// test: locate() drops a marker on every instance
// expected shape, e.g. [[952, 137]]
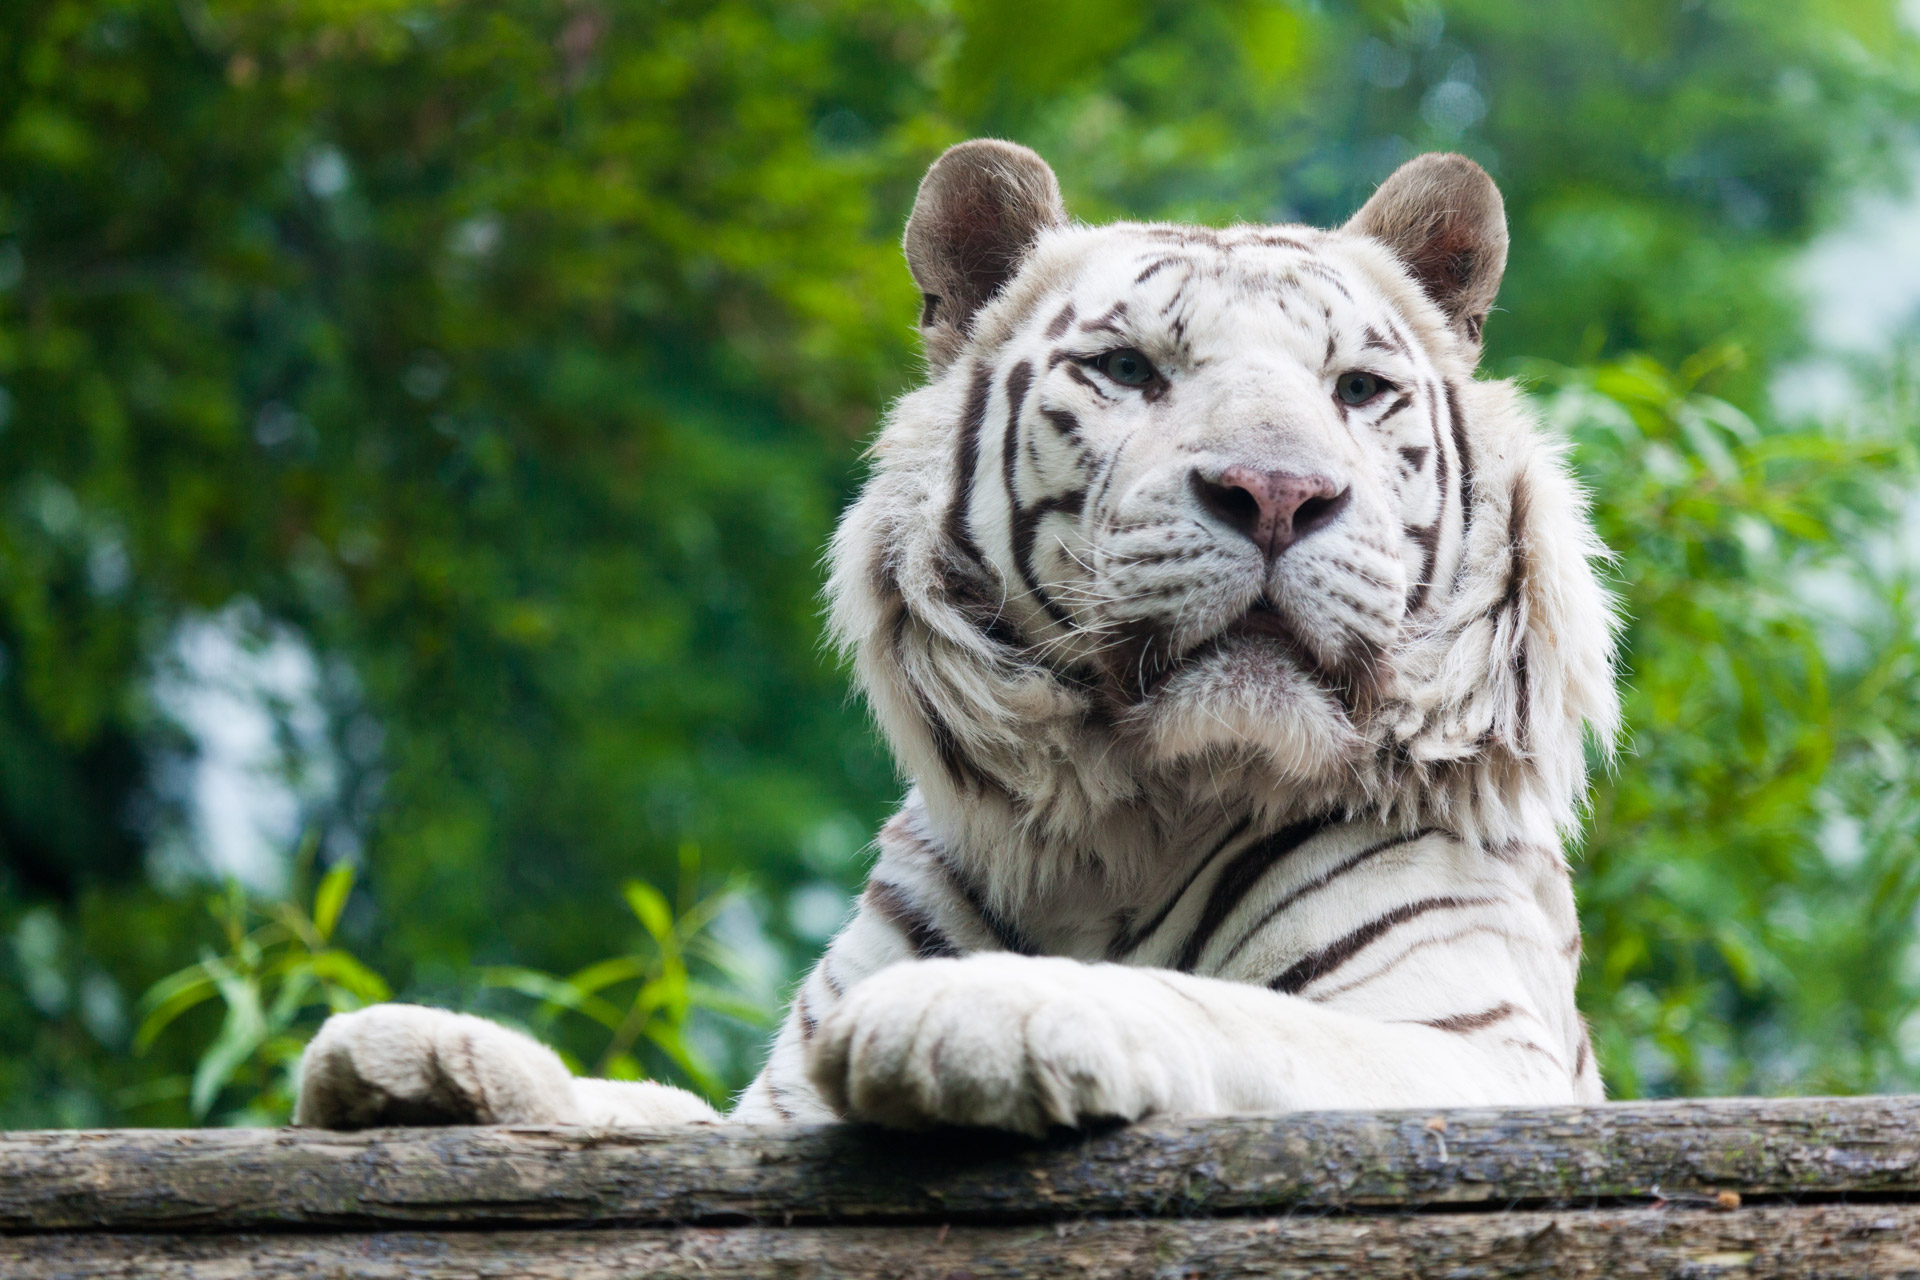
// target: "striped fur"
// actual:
[[1195, 826]]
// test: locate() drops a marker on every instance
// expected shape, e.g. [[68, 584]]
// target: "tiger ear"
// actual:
[[1444, 220], [980, 208]]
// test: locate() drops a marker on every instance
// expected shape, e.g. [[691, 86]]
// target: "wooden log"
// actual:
[[1826, 1241], [236, 1180]]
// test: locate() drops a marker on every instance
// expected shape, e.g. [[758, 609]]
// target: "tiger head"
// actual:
[[1187, 517]]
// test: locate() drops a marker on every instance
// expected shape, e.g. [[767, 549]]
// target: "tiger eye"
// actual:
[[1357, 388], [1126, 366]]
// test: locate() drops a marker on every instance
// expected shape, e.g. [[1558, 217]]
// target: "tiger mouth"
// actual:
[[1351, 682], [1262, 619]]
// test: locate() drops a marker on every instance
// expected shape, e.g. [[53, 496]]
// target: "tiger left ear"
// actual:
[[979, 210], [1444, 220]]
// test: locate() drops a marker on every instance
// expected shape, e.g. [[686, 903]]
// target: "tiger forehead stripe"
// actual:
[[1106, 322], [1153, 269]]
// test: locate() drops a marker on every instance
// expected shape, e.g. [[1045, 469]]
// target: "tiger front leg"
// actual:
[[400, 1064], [1027, 1043], [1009, 1042]]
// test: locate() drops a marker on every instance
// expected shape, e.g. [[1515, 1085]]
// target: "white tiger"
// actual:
[[1240, 646]]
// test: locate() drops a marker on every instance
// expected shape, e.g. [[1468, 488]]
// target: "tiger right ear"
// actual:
[[1442, 216], [980, 209]]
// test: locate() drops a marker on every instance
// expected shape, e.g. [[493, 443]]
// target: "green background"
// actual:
[[507, 363]]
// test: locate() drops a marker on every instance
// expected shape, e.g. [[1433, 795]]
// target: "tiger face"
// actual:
[[1226, 481], [1184, 511]]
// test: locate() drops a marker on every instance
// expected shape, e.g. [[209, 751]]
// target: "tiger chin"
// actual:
[[1243, 650]]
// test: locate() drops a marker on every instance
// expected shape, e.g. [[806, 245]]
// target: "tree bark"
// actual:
[[1733, 1187], [234, 1180], [1830, 1241]]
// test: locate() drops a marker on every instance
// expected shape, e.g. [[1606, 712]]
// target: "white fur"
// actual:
[[403, 1063]]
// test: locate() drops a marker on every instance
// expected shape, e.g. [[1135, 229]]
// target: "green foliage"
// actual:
[[648, 996], [513, 359], [275, 981], [1750, 888]]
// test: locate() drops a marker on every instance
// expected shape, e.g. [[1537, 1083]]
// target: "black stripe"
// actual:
[[1025, 521], [1019, 379], [959, 766], [1149, 273], [1079, 375], [1377, 341], [1238, 878], [1003, 931], [1542, 1050], [1187, 235], [946, 744], [1315, 268], [1466, 465], [1061, 321], [1431, 544], [1180, 292], [1517, 516], [1130, 937], [1318, 883], [1585, 1051], [1026, 525], [1463, 1023], [921, 933], [1428, 540], [967, 458], [1329, 958], [1063, 421], [780, 1108], [1105, 323], [808, 1023]]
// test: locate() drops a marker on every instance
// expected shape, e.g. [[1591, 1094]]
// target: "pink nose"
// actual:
[[1273, 508]]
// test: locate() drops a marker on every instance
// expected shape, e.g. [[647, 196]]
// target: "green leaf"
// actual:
[[331, 898], [702, 996], [651, 906], [170, 997], [552, 990], [342, 970], [243, 1031], [606, 973]]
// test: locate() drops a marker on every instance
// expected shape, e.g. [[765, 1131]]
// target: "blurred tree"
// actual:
[[501, 366]]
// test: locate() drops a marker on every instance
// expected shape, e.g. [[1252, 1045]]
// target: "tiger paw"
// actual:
[[400, 1064], [1000, 1041]]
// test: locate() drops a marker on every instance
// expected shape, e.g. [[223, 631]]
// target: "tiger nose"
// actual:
[[1275, 509]]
